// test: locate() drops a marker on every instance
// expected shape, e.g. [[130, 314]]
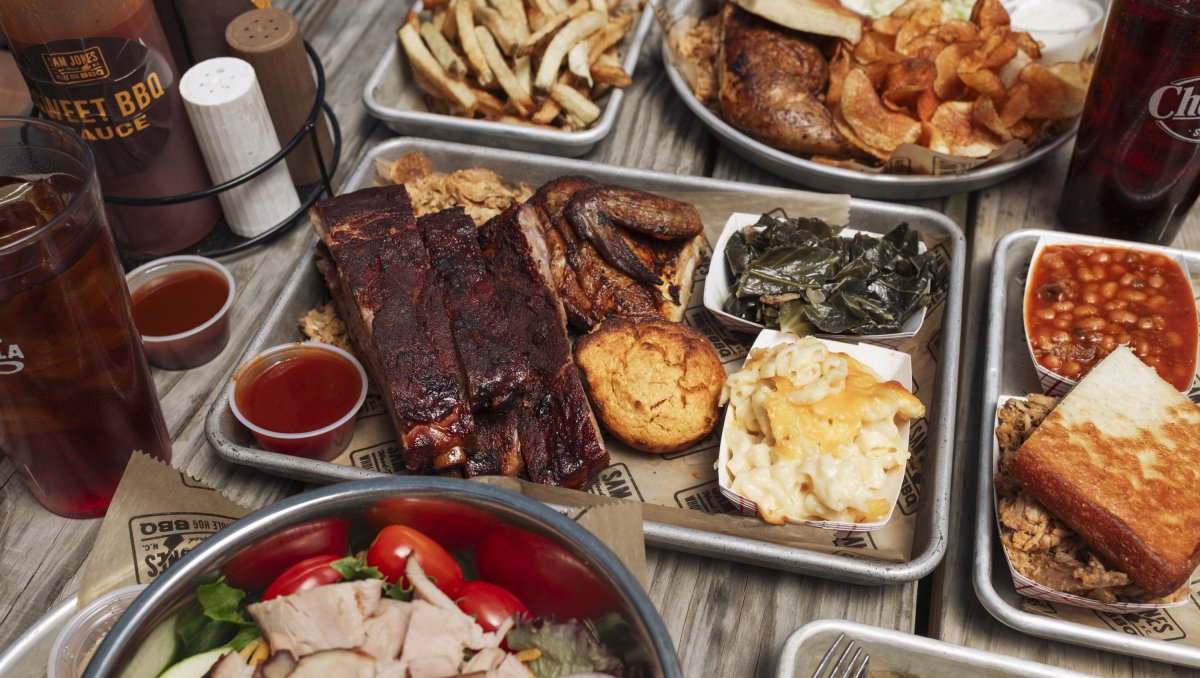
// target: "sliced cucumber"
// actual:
[[196, 665]]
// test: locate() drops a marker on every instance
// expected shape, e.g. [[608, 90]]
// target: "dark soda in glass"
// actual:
[[1135, 172], [76, 396]]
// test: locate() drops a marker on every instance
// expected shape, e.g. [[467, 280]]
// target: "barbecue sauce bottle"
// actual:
[[104, 69]]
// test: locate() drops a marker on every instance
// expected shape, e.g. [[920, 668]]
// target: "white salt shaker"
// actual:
[[232, 124]]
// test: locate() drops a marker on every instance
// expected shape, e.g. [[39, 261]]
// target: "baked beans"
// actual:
[[1084, 301]]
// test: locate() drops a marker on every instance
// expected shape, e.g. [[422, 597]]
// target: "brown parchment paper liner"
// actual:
[[159, 514], [1173, 624], [905, 159], [681, 488]]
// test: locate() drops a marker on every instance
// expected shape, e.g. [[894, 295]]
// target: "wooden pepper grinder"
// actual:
[[270, 40]]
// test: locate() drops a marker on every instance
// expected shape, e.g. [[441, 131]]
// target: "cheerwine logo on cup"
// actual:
[[1176, 109], [12, 360]]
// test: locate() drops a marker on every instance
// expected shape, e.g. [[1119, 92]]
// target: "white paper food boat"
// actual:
[[717, 284], [1030, 588], [890, 365], [1052, 383]]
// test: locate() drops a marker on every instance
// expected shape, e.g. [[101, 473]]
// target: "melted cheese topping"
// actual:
[[814, 433]]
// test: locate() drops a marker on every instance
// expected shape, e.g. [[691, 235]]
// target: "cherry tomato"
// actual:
[[257, 566], [489, 603], [454, 525], [306, 574], [546, 576], [393, 546]]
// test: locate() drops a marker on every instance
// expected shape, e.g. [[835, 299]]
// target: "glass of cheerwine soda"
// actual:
[[76, 396]]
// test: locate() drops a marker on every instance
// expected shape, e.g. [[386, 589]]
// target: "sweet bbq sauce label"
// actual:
[[113, 91]]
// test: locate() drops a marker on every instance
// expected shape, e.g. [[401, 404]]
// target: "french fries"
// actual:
[[576, 29], [436, 78], [517, 95], [532, 62], [575, 103]]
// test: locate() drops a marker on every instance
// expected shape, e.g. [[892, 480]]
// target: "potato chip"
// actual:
[[957, 133], [851, 136], [985, 82], [912, 8], [957, 30], [906, 80], [1017, 105], [875, 125], [839, 66], [994, 53], [927, 105], [989, 14], [1050, 96], [925, 47], [946, 84], [873, 48], [888, 25], [985, 114]]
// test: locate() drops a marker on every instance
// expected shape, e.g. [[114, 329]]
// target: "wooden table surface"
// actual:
[[726, 619]]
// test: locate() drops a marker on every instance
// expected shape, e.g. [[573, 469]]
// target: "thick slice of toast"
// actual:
[[1119, 461]]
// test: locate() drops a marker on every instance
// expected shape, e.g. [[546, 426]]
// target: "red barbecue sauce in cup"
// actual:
[[300, 399]]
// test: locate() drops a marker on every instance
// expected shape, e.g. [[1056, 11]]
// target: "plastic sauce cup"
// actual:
[[1064, 27], [323, 443], [73, 648], [199, 344]]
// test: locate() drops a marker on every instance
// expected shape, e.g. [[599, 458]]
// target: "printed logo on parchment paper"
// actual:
[[372, 407], [617, 482], [705, 497], [384, 457], [854, 540], [730, 346], [1156, 624], [1196, 592], [160, 539], [914, 475]]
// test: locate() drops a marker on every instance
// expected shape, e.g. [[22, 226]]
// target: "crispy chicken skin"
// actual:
[[769, 80]]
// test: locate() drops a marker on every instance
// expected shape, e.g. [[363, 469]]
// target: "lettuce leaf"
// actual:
[[216, 619], [566, 648]]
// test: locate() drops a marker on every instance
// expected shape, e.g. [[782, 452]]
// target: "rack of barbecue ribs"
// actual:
[[464, 330]]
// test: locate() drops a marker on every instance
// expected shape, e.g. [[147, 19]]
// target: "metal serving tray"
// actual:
[[904, 654], [29, 655], [1009, 371], [305, 289], [392, 96], [839, 179]]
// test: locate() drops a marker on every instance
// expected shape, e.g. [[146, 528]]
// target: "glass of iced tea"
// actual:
[[1135, 172], [76, 397]]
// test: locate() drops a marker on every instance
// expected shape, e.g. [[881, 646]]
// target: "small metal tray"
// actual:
[[28, 656], [1009, 371], [392, 96], [903, 654], [305, 290], [823, 177]]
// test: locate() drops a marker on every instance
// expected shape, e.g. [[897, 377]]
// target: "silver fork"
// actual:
[[844, 659]]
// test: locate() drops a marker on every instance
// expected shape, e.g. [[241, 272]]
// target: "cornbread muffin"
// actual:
[[655, 384]]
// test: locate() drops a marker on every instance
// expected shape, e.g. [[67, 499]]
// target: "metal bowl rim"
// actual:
[[317, 503]]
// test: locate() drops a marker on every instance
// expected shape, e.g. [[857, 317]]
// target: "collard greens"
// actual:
[[799, 275]]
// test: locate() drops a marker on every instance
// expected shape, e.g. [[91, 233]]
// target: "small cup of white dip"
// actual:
[[1064, 27]]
